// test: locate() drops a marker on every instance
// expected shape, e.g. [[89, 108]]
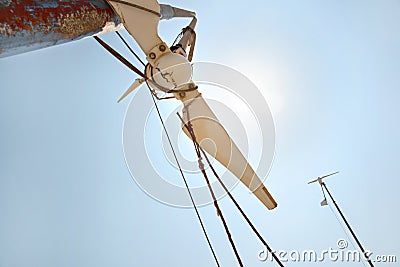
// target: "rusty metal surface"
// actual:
[[32, 24]]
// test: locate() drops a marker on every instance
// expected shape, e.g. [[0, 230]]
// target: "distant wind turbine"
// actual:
[[324, 203]]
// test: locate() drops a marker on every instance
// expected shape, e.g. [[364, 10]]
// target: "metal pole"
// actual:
[[347, 224], [29, 25]]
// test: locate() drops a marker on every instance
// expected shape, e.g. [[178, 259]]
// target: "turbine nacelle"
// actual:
[[172, 72]]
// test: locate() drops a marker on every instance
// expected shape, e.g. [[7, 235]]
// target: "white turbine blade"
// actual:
[[140, 18], [329, 175], [322, 177], [206, 126], [313, 181], [135, 85]]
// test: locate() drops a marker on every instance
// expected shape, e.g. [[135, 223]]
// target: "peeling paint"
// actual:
[[109, 27], [28, 24], [81, 22], [5, 3]]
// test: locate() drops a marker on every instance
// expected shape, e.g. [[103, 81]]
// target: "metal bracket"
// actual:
[[157, 52]]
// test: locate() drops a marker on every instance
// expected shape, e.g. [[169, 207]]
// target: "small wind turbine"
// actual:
[[324, 203], [319, 180]]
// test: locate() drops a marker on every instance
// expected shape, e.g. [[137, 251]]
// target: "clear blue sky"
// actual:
[[330, 73]]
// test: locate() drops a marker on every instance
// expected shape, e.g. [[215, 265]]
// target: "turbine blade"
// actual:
[[207, 128], [329, 175], [140, 19], [134, 85], [322, 177], [313, 181]]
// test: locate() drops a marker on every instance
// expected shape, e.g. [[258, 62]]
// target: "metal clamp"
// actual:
[[156, 52]]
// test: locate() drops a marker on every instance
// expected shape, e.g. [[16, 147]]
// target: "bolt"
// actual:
[[152, 55], [182, 94], [162, 48]]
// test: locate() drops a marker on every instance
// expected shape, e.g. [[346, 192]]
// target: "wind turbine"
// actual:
[[169, 70], [319, 180], [324, 203]]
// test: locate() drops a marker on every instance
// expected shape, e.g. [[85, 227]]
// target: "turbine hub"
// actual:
[[171, 72]]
